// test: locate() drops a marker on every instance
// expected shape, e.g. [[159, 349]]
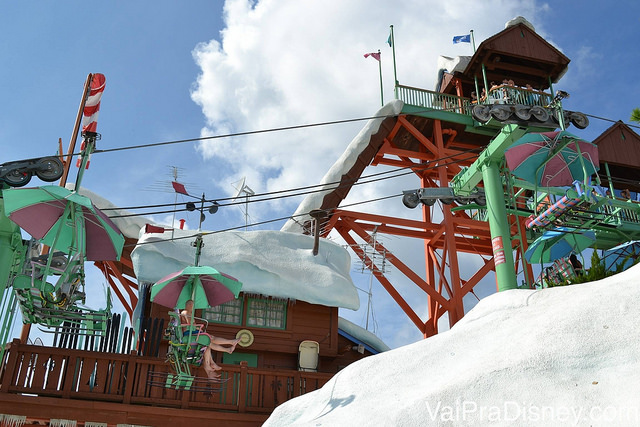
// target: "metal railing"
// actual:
[[434, 100]]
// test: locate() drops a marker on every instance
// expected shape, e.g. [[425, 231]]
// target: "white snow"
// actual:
[[362, 335], [128, 225], [553, 357], [273, 263], [344, 163]]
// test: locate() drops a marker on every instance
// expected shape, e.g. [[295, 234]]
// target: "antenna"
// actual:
[[377, 260], [175, 203], [241, 188]]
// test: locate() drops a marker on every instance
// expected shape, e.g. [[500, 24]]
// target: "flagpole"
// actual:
[[380, 70], [473, 41], [395, 74], [484, 71], [475, 77]]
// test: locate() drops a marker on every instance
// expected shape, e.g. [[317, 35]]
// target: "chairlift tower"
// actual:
[[437, 137]]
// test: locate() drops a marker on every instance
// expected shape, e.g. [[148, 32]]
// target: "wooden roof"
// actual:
[[619, 147], [520, 54]]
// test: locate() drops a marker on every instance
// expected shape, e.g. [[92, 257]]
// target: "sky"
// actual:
[[560, 357], [182, 71]]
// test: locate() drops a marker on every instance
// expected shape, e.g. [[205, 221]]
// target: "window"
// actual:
[[229, 312], [267, 313]]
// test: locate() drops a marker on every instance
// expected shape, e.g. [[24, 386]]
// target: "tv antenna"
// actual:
[[378, 261], [243, 188]]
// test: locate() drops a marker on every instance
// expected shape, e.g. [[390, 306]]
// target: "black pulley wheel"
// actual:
[[500, 112], [579, 120], [49, 169], [539, 113], [481, 113], [523, 112], [17, 178]]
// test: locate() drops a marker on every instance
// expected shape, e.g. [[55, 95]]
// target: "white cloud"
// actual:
[[284, 63], [287, 63]]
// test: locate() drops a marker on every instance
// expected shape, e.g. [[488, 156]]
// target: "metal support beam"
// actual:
[[465, 182]]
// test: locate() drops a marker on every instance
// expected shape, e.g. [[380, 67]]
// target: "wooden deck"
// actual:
[[52, 383]]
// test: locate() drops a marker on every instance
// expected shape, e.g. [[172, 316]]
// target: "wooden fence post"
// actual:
[[242, 387], [296, 384], [131, 375], [10, 367], [70, 375]]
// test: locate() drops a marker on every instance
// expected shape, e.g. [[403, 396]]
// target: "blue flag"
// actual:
[[462, 39]]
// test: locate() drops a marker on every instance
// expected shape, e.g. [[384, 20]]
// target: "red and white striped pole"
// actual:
[[90, 115]]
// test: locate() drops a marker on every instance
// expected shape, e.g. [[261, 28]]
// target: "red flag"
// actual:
[[148, 228], [179, 188], [375, 55]]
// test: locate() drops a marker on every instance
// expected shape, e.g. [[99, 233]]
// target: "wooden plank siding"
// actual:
[[276, 348]]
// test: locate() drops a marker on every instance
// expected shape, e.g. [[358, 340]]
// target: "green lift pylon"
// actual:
[[487, 168]]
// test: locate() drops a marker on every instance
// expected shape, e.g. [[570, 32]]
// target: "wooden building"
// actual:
[[288, 347], [619, 150]]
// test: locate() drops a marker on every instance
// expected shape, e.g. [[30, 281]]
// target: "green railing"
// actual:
[[431, 100], [502, 94], [505, 94]]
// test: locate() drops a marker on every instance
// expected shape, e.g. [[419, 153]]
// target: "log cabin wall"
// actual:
[[278, 348]]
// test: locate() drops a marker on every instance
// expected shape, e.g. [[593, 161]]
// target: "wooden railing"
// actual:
[[434, 100], [132, 379]]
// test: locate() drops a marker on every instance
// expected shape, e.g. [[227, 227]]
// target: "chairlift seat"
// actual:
[[308, 352]]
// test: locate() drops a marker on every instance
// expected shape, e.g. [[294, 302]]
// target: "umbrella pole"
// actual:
[[89, 145], [193, 298], [198, 244]]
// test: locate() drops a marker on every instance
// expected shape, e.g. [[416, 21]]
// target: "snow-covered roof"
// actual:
[[560, 356], [272, 263], [362, 335], [341, 167]]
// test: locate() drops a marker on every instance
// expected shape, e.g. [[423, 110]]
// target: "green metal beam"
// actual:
[[465, 181], [499, 226]]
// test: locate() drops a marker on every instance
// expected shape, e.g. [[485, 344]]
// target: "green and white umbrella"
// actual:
[[64, 220], [206, 286]]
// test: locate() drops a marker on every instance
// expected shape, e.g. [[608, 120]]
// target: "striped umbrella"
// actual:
[[552, 159], [205, 286], [64, 220]]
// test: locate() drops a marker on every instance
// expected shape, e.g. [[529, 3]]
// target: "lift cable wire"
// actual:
[[206, 233], [415, 168], [418, 167], [293, 127]]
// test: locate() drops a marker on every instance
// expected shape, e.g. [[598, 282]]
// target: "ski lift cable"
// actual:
[[205, 233], [256, 198], [419, 167], [293, 127]]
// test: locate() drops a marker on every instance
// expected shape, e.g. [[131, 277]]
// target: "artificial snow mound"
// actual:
[[554, 357]]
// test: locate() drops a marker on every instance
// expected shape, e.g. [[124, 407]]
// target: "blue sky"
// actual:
[[182, 70]]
